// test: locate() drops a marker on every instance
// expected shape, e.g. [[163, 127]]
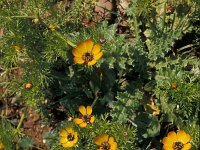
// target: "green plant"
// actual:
[[148, 74]]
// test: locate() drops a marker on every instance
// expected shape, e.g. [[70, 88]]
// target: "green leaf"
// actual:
[[26, 142], [125, 106], [148, 125], [150, 86]]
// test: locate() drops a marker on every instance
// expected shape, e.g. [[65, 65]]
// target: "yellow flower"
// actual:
[[1, 146], [87, 52], [105, 142], [52, 27], [177, 141], [17, 48], [68, 138], [85, 117], [151, 107]]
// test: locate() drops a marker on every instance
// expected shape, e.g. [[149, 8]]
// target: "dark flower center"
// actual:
[[105, 146], [70, 137], [178, 145], [87, 57], [86, 118]]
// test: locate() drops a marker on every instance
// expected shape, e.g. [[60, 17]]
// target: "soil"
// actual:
[[34, 128]]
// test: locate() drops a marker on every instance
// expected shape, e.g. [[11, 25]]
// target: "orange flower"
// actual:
[[85, 118], [68, 138], [177, 141], [174, 85], [105, 142], [87, 52]]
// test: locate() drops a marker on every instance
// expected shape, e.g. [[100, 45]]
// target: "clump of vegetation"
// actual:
[[128, 81]]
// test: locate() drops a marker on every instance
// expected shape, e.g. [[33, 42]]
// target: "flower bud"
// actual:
[[52, 27], [170, 9], [125, 134], [28, 86], [174, 85], [35, 20], [102, 40], [17, 48]]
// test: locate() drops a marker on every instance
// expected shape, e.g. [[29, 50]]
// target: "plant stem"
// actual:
[[95, 100], [187, 47], [64, 39], [164, 16], [22, 17], [137, 30], [21, 121], [56, 33]]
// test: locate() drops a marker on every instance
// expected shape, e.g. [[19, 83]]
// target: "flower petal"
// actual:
[[92, 119], [77, 53], [111, 140], [63, 133], [98, 56], [104, 137], [96, 49], [172, 135], [63, 140], [182, 136], [167, 147], [68, 144], [1, 146], [78, 60], [113, 146], [69, 129], [82, 110], [89, 44], [75, 140], [168, 141], [98, 140], [187, 146], [90, 63], [75, 135], [77, 121], [89, 110], [83, 125], [81, 48]]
